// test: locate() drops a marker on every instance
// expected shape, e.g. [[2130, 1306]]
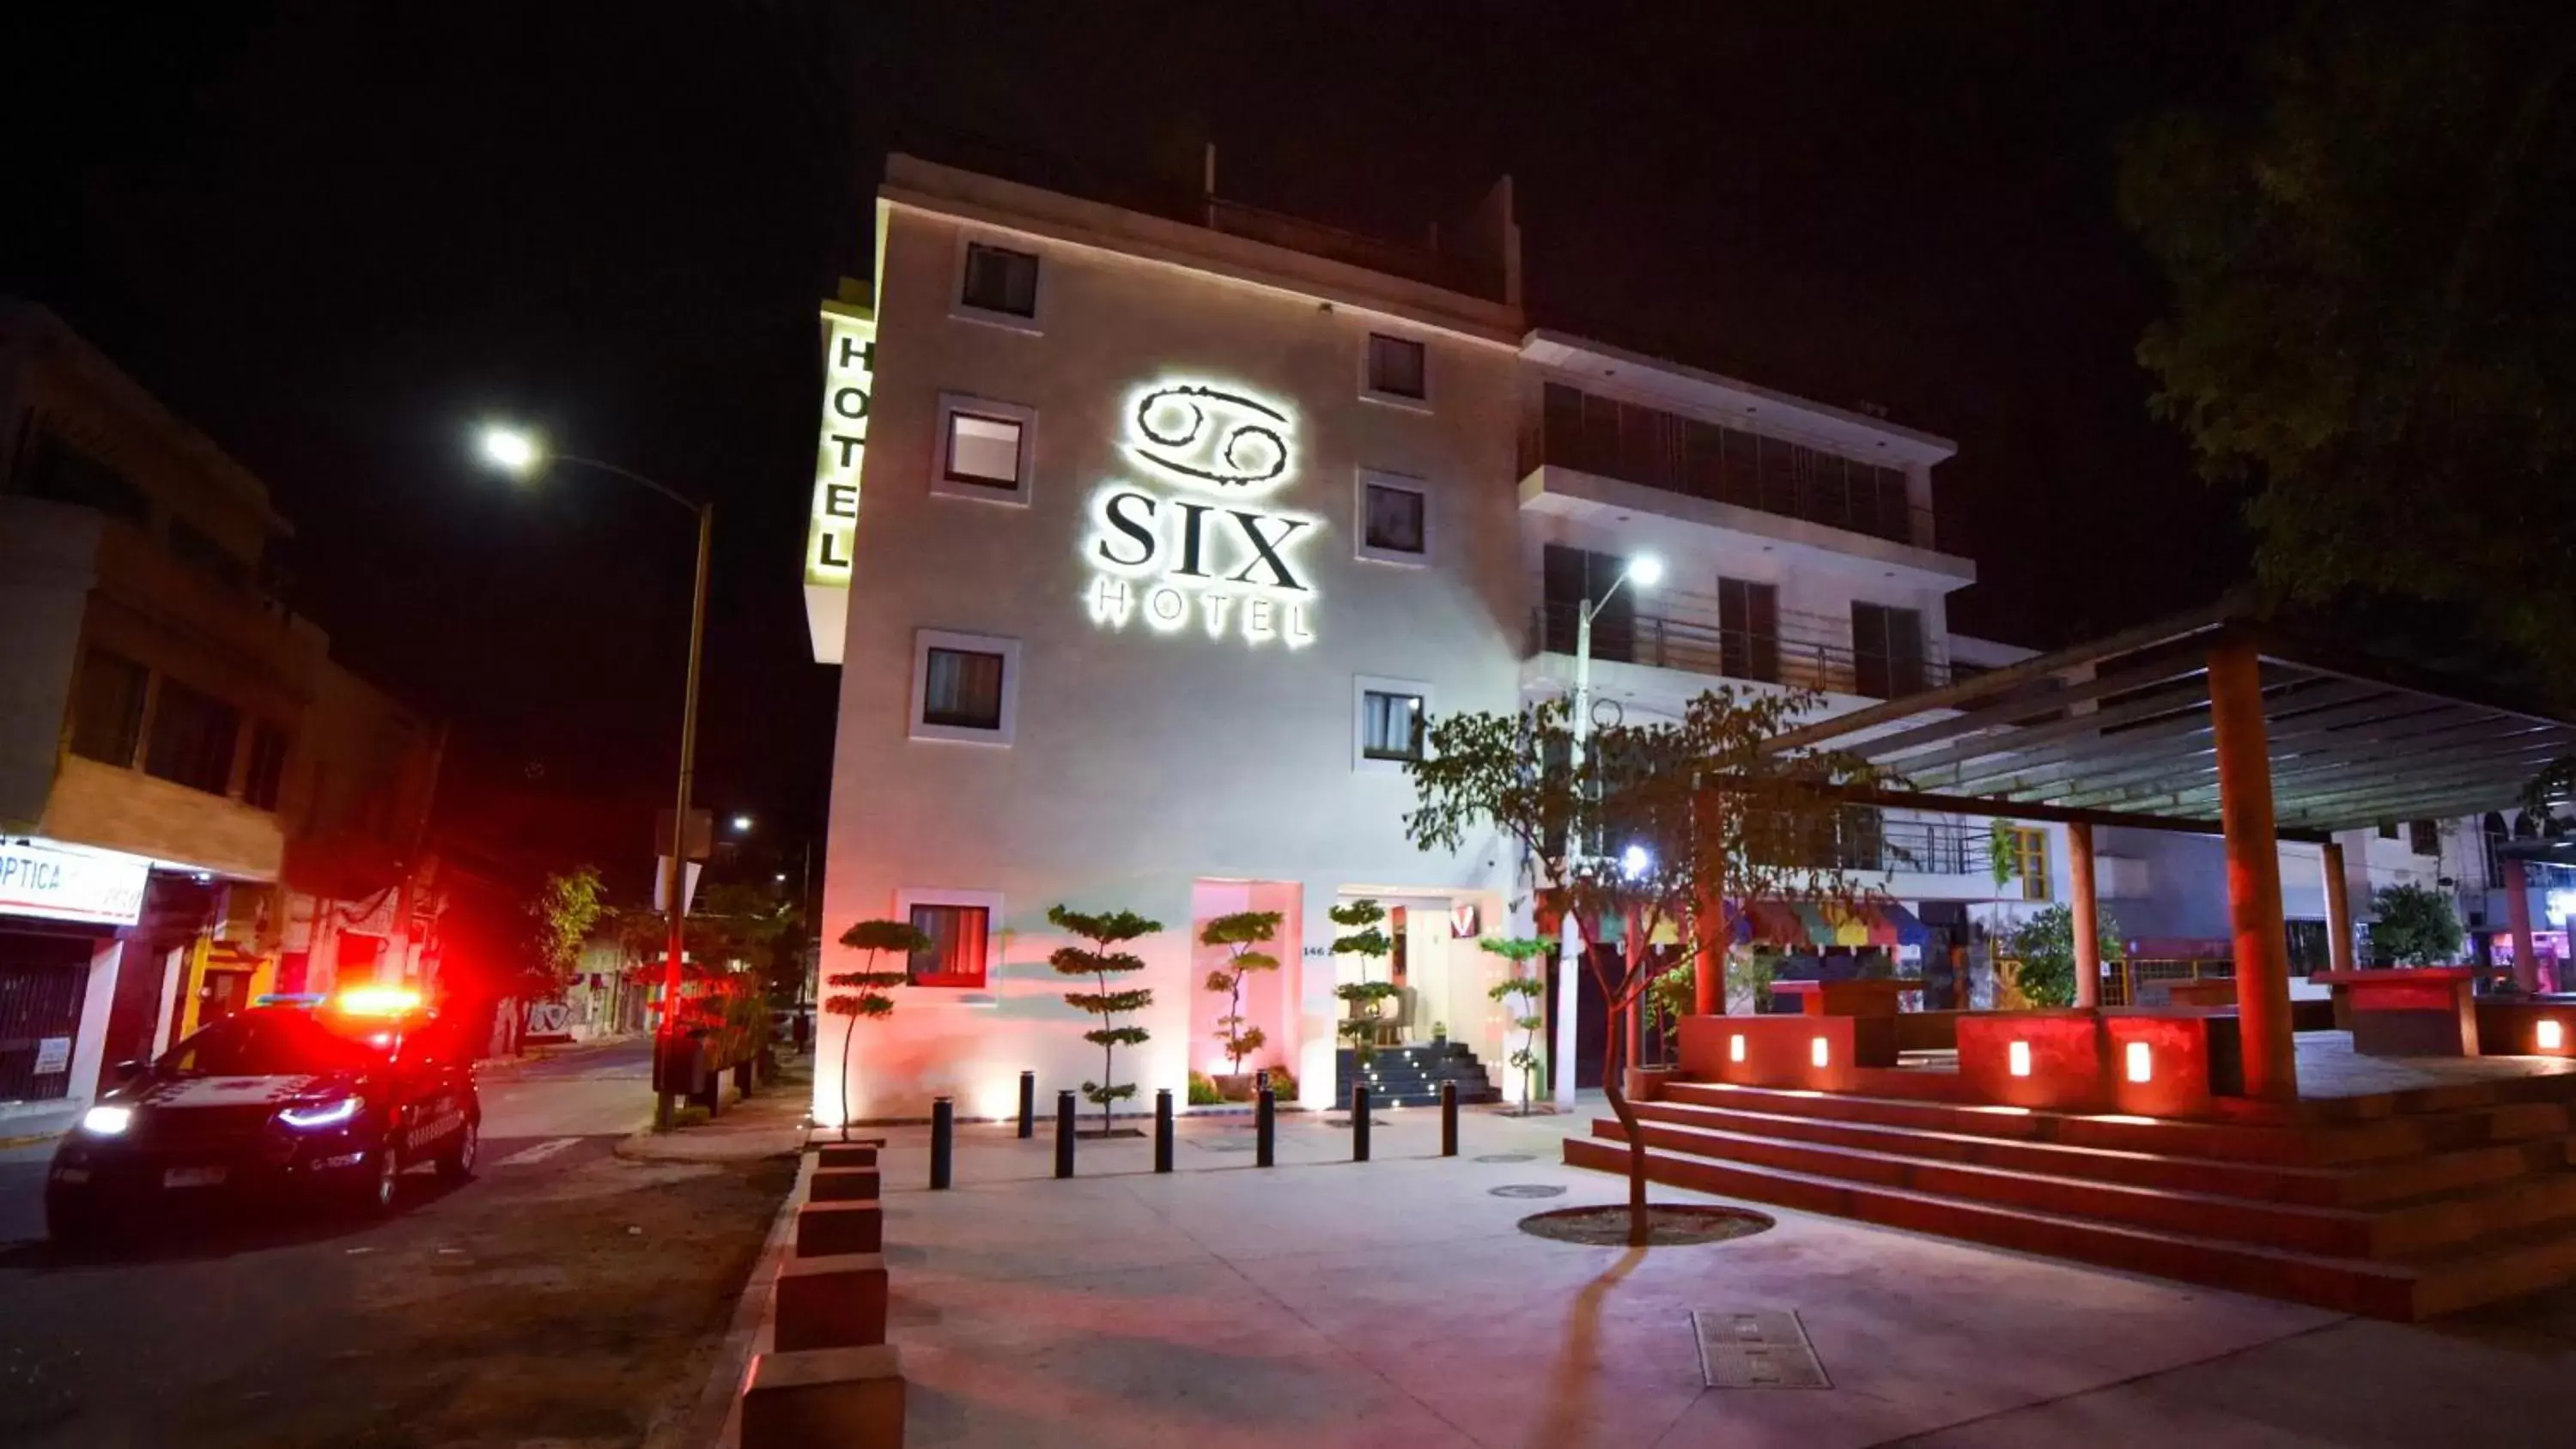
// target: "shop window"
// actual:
[[194, 737], [960, 927], [262, 781], [107, 708], [984, 450], [1000, 280], [1397, 368], [964, 687], [1395, 519]]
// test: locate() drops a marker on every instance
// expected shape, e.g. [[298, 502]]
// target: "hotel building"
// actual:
[[1144, 534]]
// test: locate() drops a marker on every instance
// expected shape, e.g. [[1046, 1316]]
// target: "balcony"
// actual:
[[1632, 443], [1689, 633]]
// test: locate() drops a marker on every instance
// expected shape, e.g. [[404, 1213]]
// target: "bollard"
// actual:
[[1359, 1121], [1265, 1125], [943, 1141], [1448, 1119], [1163, 1130], [1028, 1105], [1064, 1133]]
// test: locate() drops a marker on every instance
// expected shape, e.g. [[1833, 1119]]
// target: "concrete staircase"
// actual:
[[1410, 1076], [2403, 1206]]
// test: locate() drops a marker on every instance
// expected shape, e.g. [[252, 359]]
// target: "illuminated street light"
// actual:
[[742, 825], [1633, 861], [514, 451], [1646, 569]]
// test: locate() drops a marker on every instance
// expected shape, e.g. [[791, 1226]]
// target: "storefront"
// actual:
[[63, 910]]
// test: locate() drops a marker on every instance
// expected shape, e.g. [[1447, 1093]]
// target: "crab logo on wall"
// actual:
[[1175, 561]]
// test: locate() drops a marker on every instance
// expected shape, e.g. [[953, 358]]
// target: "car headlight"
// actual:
[[326, 1114], [106, 1121]]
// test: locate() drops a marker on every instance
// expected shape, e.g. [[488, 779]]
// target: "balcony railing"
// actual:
[[1807, 652], [1643, 445]]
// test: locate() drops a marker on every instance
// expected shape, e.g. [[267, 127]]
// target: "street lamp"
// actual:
[[523, 454], [1645, 571], [742, 825]]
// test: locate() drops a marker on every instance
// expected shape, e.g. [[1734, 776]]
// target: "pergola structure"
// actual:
[[2210, 723]]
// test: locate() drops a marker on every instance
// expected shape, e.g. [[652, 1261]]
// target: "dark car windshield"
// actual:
[[266, 1046]]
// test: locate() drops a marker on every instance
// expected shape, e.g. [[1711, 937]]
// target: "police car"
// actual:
[[297, 1100]]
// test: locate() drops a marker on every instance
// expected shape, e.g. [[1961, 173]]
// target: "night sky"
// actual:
[[334, 236]]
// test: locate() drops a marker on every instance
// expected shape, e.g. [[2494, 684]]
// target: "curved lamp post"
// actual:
[[523, 454], [1645, 571]]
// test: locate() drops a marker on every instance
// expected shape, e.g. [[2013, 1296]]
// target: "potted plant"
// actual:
[[1364, 998], [1239, 933], [1106, 931], [1521, 992], [863, 992]]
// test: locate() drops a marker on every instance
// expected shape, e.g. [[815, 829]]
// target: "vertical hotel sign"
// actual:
[[849, 381]]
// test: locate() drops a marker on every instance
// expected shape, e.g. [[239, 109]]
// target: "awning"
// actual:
[[1820, 932], [1774, 924], [1900, 925]]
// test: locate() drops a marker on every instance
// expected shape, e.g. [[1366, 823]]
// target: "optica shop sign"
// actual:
[[59, 884]]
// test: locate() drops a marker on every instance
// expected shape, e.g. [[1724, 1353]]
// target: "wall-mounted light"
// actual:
[[2552, 1036], [2142, 1062], [1817, 1052], [2017, 1058], [1735, 1047]]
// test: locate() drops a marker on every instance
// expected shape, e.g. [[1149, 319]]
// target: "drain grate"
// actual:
[[1527, 1189], [1761, 1349], [1509, 1157], [1374, 1121], [1224, 1144]]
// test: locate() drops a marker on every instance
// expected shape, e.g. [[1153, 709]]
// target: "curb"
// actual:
[[712, 1421], [33, 1139]]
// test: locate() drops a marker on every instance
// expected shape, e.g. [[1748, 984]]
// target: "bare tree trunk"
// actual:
[[848, 1032], [1613, 1087]]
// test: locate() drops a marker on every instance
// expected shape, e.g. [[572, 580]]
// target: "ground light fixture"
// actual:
[[1735, 1047], [2142, 1062], [2552, 1036], [2017, 1058], [1818, 1052]]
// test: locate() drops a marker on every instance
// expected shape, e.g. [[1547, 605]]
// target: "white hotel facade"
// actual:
[[1138, 540]]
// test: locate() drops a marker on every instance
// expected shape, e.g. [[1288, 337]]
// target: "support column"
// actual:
[[2088, 916], [1711, 932], [2517, 910], [2253, 872], [2338, 910]]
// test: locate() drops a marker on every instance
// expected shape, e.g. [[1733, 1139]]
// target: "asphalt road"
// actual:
[[125, 1347]]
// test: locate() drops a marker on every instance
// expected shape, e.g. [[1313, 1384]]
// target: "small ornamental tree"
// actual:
[[859, 993], [1106, 931], [1365, 940], [1239, 933], [2045, 946], [2417, 926], [1520, 994]]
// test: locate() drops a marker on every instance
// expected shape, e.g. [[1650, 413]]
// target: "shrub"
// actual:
[[1203, 1091]]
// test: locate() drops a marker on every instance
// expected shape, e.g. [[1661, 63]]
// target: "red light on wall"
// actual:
[[2551, 1035], [1735, 1047], [2017, 1059], [2141, 1062], [1818, 1053]]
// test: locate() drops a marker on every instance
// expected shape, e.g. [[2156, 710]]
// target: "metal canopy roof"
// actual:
[[2118, 731]]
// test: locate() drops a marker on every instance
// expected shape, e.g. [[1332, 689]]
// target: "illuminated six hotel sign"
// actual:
[[1178, 562]]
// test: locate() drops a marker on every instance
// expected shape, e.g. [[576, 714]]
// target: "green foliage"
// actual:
[[2417, 926], [1283, 1084], [1755, 971], [1203, 1092], [2045, 946], [567, 907], [862, 993], [1365, 938], [1106, 931], [1239, 933], [2369, 323], [1668, 1000]]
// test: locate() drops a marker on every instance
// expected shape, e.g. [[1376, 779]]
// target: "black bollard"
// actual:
[[1028, 1105], [1448, 1119], [943, 1142], [1359, 1122], [1163, 1130], [1064, 1133], [1265, 1125]]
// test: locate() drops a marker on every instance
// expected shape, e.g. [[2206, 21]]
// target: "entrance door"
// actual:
[[224, 993]]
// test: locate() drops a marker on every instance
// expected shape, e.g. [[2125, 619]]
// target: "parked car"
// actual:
[[281, 1106]]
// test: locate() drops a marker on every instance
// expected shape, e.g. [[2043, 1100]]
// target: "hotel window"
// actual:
[[1395, 519], [1748, 622], [1887, 651], [107, 708], [1000, 280], [193, 739], [1397, 368], [1390, 717], [2424, 837], [267, 772], [958, 937], [964, 687], [984, 449]]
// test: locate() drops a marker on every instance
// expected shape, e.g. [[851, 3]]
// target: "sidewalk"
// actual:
[[770, 1124]]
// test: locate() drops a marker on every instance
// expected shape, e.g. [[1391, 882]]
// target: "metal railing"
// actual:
[[1638, 444], [1801, 654]]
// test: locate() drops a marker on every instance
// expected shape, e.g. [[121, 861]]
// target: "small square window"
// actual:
[[1394, 521], [2424, 837], [984, 449], [1000, 280], [1390, 722], [1396, 367], [955, 955], [964, 687]]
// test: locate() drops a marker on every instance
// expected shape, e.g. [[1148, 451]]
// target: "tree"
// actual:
[[567, 908], [1520, 994], [2371, 322], [2045, 946], [1364, 997], [1655, 822], [2417, 926], [859, 993], [1106, 931], [1239, 933]]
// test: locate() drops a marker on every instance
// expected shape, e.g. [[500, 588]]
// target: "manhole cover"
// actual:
[[1223, 1145], [1760, 1349], [1509, 1157], [1527, 1189]]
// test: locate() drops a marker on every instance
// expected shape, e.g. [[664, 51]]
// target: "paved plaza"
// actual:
[[1394, 1302]]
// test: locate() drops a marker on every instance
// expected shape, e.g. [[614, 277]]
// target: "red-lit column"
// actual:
[[2088, 916], [2517, 910], [2253, 872], [2338, 910], [1710, 936]]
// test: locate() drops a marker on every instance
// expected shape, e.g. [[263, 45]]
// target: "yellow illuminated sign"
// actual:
[[849, 378]]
